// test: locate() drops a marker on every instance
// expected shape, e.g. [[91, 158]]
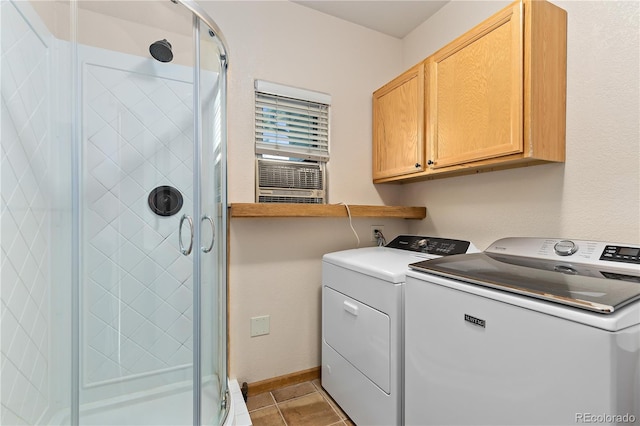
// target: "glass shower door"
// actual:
[[136, 289], [212, 262], [151, 336]]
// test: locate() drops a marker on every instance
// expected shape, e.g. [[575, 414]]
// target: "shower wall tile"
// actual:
[[136, 283], [25, 220]]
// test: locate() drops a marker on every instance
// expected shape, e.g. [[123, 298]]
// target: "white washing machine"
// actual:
[[362, 324], [531, 331]]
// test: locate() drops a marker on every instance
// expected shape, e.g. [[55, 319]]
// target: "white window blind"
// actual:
[[291, 127]]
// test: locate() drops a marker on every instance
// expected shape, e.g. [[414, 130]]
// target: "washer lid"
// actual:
[[381, 262], [601, 290]]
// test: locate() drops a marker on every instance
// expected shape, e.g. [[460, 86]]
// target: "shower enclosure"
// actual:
[[113, 177]]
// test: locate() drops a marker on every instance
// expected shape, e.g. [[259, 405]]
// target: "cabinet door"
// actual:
[[398, 125], [476, 93]]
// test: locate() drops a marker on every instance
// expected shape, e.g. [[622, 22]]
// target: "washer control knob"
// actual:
[[565, 248], [423, 243]]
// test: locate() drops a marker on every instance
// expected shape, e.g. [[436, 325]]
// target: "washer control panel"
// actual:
[[621, 254], [430, 245], [596, 253]]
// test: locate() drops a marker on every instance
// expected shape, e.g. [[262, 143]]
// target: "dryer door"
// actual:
[[360, 334]]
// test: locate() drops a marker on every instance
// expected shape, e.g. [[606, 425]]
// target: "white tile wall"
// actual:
[[137, 292], [25, 220], [136, 288]]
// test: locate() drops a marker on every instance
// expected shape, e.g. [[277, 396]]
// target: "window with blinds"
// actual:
[[289, 127], [292, 143]]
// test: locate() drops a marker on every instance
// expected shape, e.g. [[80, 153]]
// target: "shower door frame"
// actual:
[[199, 15]]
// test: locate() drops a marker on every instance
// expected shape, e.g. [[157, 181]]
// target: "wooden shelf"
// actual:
[[324, 210]]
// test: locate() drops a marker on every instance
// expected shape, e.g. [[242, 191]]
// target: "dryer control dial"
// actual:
[[565, 248]]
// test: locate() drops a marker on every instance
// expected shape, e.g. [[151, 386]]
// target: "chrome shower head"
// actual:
[[161, 50]]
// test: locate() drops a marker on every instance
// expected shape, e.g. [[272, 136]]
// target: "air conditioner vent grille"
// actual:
[[296, 200], [290, 175], [279, 181]]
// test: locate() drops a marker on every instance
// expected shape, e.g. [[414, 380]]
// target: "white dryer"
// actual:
[[362, 324], [531, 331]]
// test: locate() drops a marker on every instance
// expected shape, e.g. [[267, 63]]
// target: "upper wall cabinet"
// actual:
[[398, 125], [496, 96], [476, 101]]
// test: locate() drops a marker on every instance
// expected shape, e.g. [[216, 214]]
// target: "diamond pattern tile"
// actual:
[[136, 138], [136, 296], [25, 218]]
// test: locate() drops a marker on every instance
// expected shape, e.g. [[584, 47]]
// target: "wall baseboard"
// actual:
[[268, 385]]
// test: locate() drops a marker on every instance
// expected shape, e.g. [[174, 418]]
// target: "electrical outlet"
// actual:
[[260, 325], [373, 231]]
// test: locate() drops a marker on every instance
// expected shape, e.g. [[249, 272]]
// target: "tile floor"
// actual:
[[302, 404]]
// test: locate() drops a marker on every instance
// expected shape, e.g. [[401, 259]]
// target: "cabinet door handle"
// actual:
[[418, 165], [430, 162]]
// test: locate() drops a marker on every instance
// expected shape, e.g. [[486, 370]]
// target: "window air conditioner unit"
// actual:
[[290, 182]]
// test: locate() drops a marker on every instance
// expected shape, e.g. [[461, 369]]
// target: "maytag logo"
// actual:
[[475, 321]]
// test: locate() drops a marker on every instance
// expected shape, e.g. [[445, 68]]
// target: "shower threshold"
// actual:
[[170, 405]]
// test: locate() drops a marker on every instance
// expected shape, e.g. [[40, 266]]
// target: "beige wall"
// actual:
[[276, 271], [275, 263], [596, 193], [286, 43]]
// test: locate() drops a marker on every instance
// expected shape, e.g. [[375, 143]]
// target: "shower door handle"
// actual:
[[213, 234], [186, 251]]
